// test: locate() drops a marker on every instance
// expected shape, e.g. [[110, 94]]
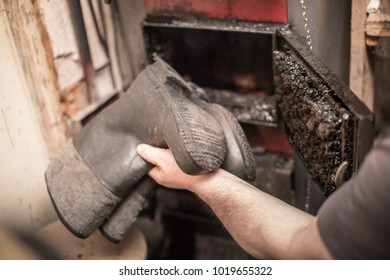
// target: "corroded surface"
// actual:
[[316, 122]]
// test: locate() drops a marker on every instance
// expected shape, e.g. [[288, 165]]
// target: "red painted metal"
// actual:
[[274, 11], [271, 138]]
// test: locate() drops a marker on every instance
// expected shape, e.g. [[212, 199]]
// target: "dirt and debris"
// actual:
[[315, 120], [256, 108]]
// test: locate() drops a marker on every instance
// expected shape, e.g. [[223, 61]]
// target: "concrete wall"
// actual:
[[24, 201]]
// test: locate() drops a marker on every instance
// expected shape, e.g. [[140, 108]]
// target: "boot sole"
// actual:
[[239, 159]]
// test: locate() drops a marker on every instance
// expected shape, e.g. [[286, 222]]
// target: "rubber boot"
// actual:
[[104, 163], [124, 216], [239, 160]]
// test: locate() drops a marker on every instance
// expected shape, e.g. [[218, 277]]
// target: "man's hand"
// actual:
[[167, 172]]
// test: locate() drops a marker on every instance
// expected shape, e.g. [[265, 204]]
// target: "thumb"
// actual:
[[149, 153]]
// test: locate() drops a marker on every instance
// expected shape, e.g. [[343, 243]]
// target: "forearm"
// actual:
[[264, 226]]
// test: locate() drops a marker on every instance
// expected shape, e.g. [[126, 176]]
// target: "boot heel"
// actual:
[[195, 137], [239, 158]]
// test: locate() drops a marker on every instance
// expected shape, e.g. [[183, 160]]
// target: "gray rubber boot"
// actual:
[[155, 110], [81, 200], [124, 216], [239, 160]]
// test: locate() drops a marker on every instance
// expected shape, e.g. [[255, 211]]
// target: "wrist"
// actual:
[[204, 182]]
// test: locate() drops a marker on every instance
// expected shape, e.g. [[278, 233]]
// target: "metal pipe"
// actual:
[[85, 54]]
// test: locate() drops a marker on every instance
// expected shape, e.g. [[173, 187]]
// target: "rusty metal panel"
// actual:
[[249, 10], [330, 128]]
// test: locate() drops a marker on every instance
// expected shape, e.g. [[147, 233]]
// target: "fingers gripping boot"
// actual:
[[155, 110]]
